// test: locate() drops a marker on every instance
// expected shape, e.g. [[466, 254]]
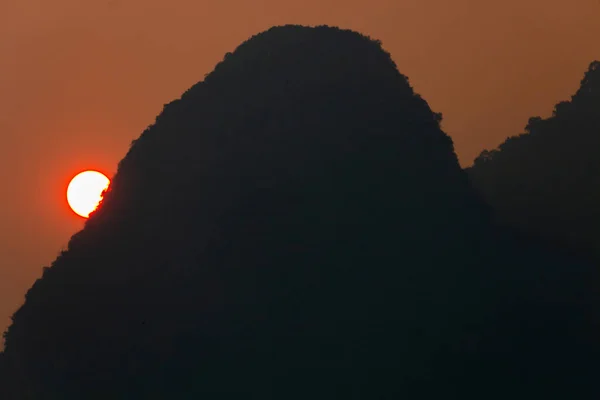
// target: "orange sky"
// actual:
[[79, 80]]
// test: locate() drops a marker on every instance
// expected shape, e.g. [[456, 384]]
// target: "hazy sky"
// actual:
[[79, 80]]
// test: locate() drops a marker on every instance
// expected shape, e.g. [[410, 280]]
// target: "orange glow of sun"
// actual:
[[85, 192]]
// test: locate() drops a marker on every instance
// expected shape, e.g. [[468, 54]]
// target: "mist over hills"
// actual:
[[297, 225], [545, 181]]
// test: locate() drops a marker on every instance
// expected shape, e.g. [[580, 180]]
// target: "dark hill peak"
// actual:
[[292, 54], [292, 99], [591, 81]]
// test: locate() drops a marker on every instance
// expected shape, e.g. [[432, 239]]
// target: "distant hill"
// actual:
[[547, 180], [297, 226]]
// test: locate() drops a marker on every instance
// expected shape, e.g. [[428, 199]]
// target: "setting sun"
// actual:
[[85, 192]]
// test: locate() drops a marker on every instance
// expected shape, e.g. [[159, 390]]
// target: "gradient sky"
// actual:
[[79, 80]]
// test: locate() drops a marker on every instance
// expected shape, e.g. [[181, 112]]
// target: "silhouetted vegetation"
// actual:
[[297, 226], [546, 180]]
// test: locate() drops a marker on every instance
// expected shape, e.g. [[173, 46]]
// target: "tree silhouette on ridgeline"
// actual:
[[297, 226], [546, 180]]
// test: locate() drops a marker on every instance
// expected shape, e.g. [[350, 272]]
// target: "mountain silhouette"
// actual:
[[545, 181], [297, 226]]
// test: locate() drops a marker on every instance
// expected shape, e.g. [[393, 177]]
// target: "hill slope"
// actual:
[[545, 181]]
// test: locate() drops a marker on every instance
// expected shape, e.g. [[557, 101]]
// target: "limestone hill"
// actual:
[[297, 226]]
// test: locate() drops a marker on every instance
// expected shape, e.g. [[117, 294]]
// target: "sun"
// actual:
[[85, 192]]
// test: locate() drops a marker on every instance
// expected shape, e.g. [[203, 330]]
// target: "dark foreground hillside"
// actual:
[[297, 226], [546, 181]]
